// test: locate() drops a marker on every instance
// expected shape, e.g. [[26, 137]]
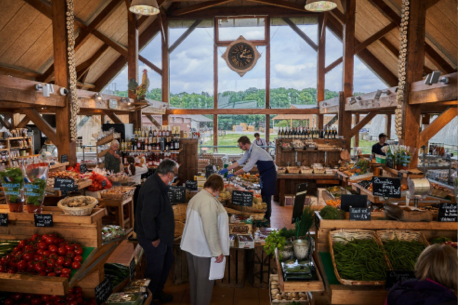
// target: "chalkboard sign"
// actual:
[[299, 201], [3, 220], [83, 168], [386, 187], [242, 198], [447, 212], [177, 194], [393, 277], [64, 184], [132, 268], [43, 220], [360, 213], [104, 184], [103, 291], [208, 171], [356, 201], [191, 185], [63, 158]]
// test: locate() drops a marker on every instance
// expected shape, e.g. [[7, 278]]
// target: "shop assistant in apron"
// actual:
[[266, 167]]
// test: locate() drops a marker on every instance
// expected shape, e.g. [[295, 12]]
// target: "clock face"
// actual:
[[241, 56]]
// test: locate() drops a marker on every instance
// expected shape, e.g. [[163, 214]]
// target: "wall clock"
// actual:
[[241, 56]]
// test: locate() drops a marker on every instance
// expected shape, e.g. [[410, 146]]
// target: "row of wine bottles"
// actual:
[[302, 133], [151, 159]]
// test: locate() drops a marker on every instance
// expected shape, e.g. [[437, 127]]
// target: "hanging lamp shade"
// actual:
[[320, 5], [144, 7]]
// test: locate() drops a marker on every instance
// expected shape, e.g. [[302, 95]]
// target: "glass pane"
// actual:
[[334, 47], [293, 66], [191, 68], [232, 127], [152, 51], [365, 81], [244, 92], [250, 28], [333, 82]]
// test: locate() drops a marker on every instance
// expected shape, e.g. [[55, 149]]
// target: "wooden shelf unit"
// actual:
[[8, 148]]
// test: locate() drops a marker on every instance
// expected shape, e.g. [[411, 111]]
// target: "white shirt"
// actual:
[[261, 142], [255, 154]]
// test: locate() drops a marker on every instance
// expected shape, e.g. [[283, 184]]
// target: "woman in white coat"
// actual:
[[205, 237]]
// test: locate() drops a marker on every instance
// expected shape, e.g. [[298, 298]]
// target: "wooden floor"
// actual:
[[281, 217]]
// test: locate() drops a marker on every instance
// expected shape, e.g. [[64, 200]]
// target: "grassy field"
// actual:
[[231, 140]]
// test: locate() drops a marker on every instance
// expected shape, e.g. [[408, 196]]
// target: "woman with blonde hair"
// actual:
[[112, 159], [436, 271], [205, 238]]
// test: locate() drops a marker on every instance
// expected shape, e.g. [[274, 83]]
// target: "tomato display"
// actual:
[[73, 297]]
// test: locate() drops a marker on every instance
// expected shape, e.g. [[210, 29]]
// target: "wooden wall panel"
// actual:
[[9, 10], [38, 53], [115, 24], [100, 65], [90, 9], [88, 49]]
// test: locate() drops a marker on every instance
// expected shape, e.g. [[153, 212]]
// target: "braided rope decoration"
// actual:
[[73, 94], [400, 98]]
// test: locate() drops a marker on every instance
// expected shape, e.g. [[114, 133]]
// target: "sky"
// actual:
[[293, 62]]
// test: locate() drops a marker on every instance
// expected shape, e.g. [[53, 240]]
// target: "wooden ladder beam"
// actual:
[[446, 117]]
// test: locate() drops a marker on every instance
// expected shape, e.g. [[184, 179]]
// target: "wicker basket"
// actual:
[[281, 171], [129, 191], [306, 171], [257, 216], [403, 235], [293, 169], [339, 235], [77, 211], [179, 211], [246, 209], [179, 228], [439, 193], [319, 171]]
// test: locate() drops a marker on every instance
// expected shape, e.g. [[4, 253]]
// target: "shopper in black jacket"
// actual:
[[155, 227]]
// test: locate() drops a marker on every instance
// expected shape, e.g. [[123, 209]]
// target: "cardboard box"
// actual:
[[245, 241]]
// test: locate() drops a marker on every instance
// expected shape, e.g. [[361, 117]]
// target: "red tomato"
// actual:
[[11, 270], [21, 244], [42, 246], [8, 302], [13, 262], [40, 252], [37, 258], [76, 265], [48, 270], [62, 250], [17, 249], [53, 256], [79, 300], [36, 237], [58, 270], [60, 260], [47, 252], [49, 240], [70, 297], [77, 290], [44, 236], [66, 271], [16, 296], [39, 267], [53, 248], [70, 254], [52, 274], [29, 248], [73, 303], [50, 263], [27, 257], [22, 265], [78, 250], [35, 301], [46, 298], [69, 247], [67, 275], [67, 262], [78, 258]]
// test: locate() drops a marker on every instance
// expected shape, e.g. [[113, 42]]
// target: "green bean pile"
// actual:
[[360, 260], [403, 254]]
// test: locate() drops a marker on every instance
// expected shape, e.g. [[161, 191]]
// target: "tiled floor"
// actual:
[[281, 217]]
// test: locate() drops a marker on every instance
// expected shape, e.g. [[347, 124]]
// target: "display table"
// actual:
[[122, 211]]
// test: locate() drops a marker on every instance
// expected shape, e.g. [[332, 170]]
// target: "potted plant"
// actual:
[[13, 183], [35, 186]]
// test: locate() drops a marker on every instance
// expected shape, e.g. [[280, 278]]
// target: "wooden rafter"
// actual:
[[300, 33], [153, 120], [150, 64], [282, 4], [243, 111], [36, 118], [23, 122], [19, 70], [375, 37], [446, 117], [185, 34], [432, 55], [83, 68], [113, 117], [425, 94], [4, 122], [355, 130], [336, 62], [198, 7], [332, 121]]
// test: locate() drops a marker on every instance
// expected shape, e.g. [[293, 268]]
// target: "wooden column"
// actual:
[[165, 64], [321, 79], [348, 66], [132, 65], [267, 37], [388, 126], [414, 70], [64, 144], [215, 83], [357, 134]]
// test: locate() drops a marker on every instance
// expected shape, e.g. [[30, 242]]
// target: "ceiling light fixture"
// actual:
[[98, 96], [352, 100], [320, 5], [145, 7]]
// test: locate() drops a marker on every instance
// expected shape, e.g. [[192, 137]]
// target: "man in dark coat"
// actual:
[[155, 227]]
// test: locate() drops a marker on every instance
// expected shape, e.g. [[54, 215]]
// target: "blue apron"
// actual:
[[267, 177]]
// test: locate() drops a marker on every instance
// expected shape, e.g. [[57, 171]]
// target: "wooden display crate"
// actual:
[[264, 266], [235, 272], [179, 272]]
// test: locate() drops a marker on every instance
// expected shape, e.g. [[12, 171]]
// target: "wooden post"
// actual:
[[267, 37], [64, 144], [357, 134], [388, 126], [132, 65], [414, 72], [165, 64], [321, 79], [215, 83], [348, 65]]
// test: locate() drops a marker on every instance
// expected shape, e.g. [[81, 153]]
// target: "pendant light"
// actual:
[[144, 7], [320, 5]]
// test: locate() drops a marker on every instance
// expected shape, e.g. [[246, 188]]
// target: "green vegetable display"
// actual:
[[13, 181], [440, 240], [273, 241], [35, 192], [403, 254], [303, 226], [330, 212], [116, 273], [360, 260], [287, 233]]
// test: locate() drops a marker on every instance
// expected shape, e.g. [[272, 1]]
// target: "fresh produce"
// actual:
[[116, 273], [403, 254], [13, 181], [440, 240], [330, 212], [293, 296], [303, 226], [274, 241], [360, 168], [99, 182], [35, 186], [360, 260], [73, 297], [333, 202], [44, 255], [111, 232], [7, 246], [287, 233]]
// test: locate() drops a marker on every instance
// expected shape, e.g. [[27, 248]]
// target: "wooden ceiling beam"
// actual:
[[41, 6], [282, 4], [375, 37], [4, 122], [243, 111], [153, 120], [185, 34], [198, 7], [299, 32], [150, 64], [355, 130], [336, 62], [446, 117], [84, 67], [19, 70], [23, 122], [44, 127], [235, 11], [113, 117]]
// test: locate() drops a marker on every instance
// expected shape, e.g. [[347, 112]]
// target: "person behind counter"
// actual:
[[205, 238], [266, 167], [112, 159], [436, 271], [377, 147], [260, 142]]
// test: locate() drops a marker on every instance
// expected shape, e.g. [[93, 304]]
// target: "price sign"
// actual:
[[104, 184], [191, 185], [393, 277], [64, 184], [208, 171], [447, 212], [132, 268], [387, 187], [356, 201], [242, 198], [43, 220], [3, 220], [103, 291], [177, 194], [63, 158], [360, 213], [83, 168]]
